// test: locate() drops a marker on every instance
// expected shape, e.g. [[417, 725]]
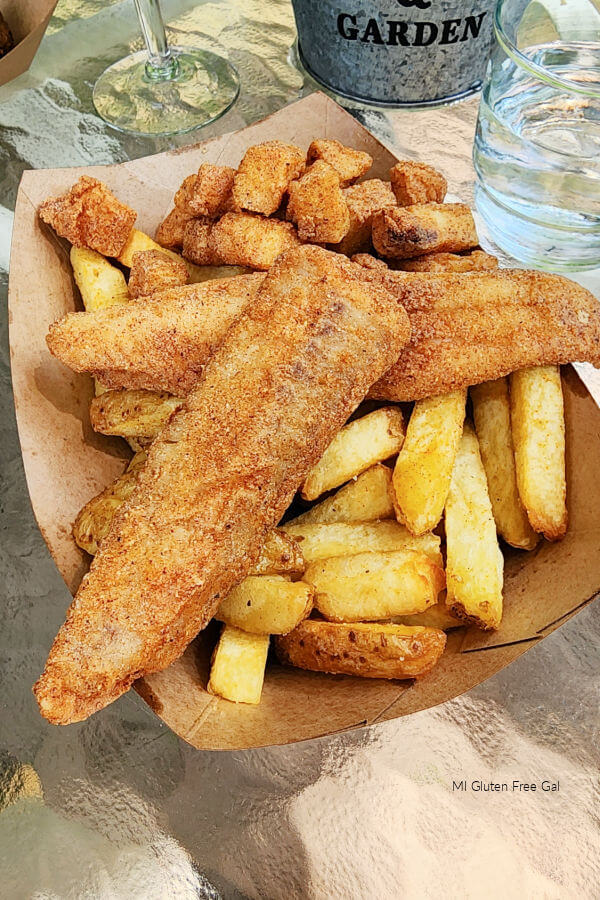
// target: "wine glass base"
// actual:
[[131, 98]]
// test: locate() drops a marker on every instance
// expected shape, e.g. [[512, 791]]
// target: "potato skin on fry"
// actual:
[[409, 231], [370, 650], [538, 427], [349, 163], [317, 206], [93, 521], [264, 174], [89, 215], [152, 271], [244, 239], [414, 182], [139, 414], [280, 554]]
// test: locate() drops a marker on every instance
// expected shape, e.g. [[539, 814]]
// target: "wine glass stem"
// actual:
[[161, 65]]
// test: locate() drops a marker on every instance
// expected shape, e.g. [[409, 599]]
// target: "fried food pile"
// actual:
[[234, 353]]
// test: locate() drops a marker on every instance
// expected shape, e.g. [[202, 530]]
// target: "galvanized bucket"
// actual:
[[396, 52]]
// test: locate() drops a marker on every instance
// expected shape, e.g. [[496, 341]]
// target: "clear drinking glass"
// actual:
[[163, 89], [537, 145]]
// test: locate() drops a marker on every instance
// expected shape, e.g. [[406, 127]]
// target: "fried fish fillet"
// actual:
[[160, 342], [221, 474], [473, 327]]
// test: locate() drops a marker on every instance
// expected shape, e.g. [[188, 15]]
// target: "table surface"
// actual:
[[118, 806]]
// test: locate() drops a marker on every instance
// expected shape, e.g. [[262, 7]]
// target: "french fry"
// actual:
[[100, 283], [132, 414], [414, 182], [491, 412], [266, 604], [365, 499], [370, 650], [437, 616], [474, 562], [280, 554], [93, 521], [424, 466], [538, 428], [238, 666], [346, 539], [404, 232], [355, 448], [139, 241], [374, 585]]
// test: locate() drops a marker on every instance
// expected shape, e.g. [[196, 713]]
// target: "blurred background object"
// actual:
[[22, 27], [419, 52], [537, 145], [164, 89]]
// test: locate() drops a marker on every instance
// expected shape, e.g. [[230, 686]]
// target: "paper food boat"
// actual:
[[67, 463], [28, 22]]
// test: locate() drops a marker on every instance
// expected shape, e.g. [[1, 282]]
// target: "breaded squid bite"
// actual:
[[406, 232], [364, 200], [350, 164], [208, 193], [169, 233], [243, 239], [317, 206], [89, 215], [153, 271], [264, 175], [475, 261], [414, 182], [198, 246]]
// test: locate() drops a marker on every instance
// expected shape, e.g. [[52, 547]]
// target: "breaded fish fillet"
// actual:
[[221, 474], [160, 342], [478, 326]]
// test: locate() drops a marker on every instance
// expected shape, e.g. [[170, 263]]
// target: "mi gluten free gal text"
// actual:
[[505, 787]]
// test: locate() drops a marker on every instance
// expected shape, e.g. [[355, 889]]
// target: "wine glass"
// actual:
[[164, 90]]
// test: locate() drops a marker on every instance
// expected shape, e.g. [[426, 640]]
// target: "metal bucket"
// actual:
[[396, 52]]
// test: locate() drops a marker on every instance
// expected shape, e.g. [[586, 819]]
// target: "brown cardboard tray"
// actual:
[[67, 463]]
